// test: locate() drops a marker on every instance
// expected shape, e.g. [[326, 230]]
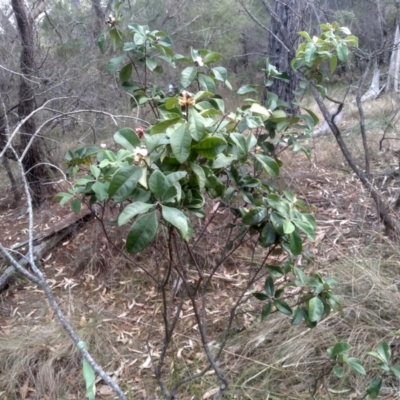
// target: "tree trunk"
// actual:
[[99, 18], [34, 173], [393, 74], [285, 25]]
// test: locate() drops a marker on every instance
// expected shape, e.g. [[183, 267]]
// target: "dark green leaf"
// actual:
[[125, 73], [305, 227], [298, 316], [295, 243], [131, 210], [255, 216], [158, 184], [210, 147], [124, 181], [161, 127], [142, 233], [260, 296], [315, 309], [283, 307], [200, 175], [374, 388], [268, 235], [266, 310], [76, 206], [269, 286], [180, 141], [178, 219], [383, 350], [101, 41], [127, 138], [275, 270]]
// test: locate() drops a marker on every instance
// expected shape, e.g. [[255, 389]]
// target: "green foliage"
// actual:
[[339, 356], [332, 44], [193, 150], [88, 375]]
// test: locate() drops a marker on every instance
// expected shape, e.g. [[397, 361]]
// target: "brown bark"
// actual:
[[99, 18], [34, 173], [286, 22]]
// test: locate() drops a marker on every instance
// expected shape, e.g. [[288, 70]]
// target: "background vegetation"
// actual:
[[110, 298]]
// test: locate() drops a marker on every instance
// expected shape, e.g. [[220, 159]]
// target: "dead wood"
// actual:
[[43, 243]]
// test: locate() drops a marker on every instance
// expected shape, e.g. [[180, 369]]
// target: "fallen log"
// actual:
[[43, 243]]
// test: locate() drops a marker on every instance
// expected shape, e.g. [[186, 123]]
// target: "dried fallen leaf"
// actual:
[[24, 389], [210, 393], [104, 390]]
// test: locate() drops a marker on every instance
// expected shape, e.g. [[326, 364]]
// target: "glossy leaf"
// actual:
[[270, 166], [127, 138], [158, 184], [131, 210], [200, 175], [268, 235], [187, 76], [295, 243], [315, 309], [142, 233], [283, 307], [207, 83], [260, 296], [124, 181], [196, 123], [269, 286], [255, 216], [178, 219], [210, 147], [180, 141]]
